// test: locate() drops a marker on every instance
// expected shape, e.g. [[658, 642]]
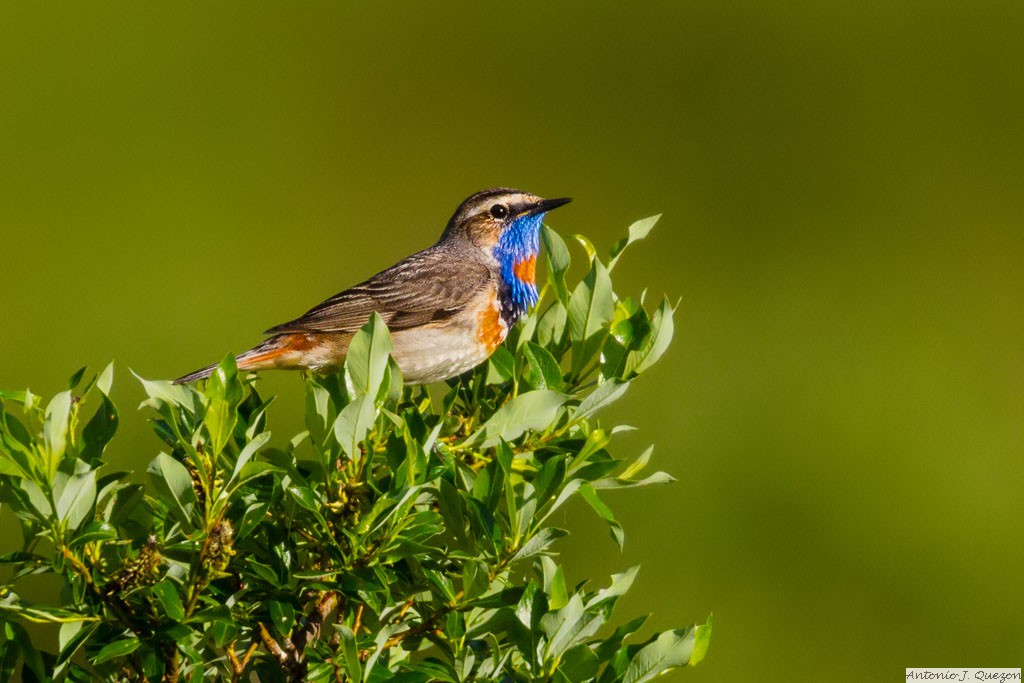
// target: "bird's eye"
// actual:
[[499, 211]]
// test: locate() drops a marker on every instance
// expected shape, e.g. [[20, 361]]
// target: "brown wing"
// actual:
[[431, 285]]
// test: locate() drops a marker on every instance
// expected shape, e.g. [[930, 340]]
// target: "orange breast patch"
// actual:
[[491, 330], [526, 270]]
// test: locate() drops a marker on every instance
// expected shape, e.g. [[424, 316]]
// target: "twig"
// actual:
[[238, 667], [113, 603], [424, 627], [200, 571], [290, 652], [405, 608], [359, 620], [173, 670], [272, 647], [311, 630], [308, 633]]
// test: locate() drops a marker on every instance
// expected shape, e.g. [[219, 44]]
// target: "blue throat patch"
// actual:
[[519, 242]]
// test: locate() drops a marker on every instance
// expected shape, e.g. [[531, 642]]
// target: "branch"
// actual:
[[238, 667], [311, 629], [173, 670], [273, 648], [291, 655], [113, 603]]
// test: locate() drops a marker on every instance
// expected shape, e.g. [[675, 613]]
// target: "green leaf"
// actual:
[[501, 366], [167, 593], [77, 498], [35, 498], [76, 378], [544, 371], [282, 614], [474, 580], [554, 583], [9, 658], [587, 245], [179, 395], [579, 663], [106, 379], [354, 422], [251, 518], [607, 649], [592, 303], [94, 531], [656, 478], [504, 456], [247, 454], [568, 626], [393, 382], [533, 410], [596, 441], [453, 511], [605, 394], [32, 658], [318, 411], [551, 326], [637, 231], [55, 428], [308, 500], [655, 343], [428, 671], [539, 543], [549, 479], [118, 648], [524, 330], [621, 583], [174, 484], [558, 260], [10, 467], [590, 310], [251, 471], [383, 635], [224, 391], [15, 439], [223, 631], [701, 642], [641, 228], [71, 637], [264, 572], [367, 357], [350, 651], [21, 557], [387, 509], [637, 465], [12, 608], [99, 430], [589, 495], [669, 650]]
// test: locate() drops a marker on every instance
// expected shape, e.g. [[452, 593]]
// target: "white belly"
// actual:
[[429, 354]]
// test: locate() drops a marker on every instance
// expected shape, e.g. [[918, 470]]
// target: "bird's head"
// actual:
[[486, 217], [505, 224]]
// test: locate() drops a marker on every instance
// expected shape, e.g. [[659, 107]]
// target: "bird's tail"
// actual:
[[273, 353]]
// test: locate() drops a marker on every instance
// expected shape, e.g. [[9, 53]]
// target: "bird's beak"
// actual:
[[545, 205]]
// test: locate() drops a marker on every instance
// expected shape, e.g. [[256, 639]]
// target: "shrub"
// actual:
[[405, 535]]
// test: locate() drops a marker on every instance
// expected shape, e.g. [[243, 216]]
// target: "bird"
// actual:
[[447, 307]]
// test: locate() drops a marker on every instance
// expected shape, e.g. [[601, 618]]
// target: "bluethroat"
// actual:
[[448, 307]]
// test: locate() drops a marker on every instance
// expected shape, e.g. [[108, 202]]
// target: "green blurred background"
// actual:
[[842, 190]]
